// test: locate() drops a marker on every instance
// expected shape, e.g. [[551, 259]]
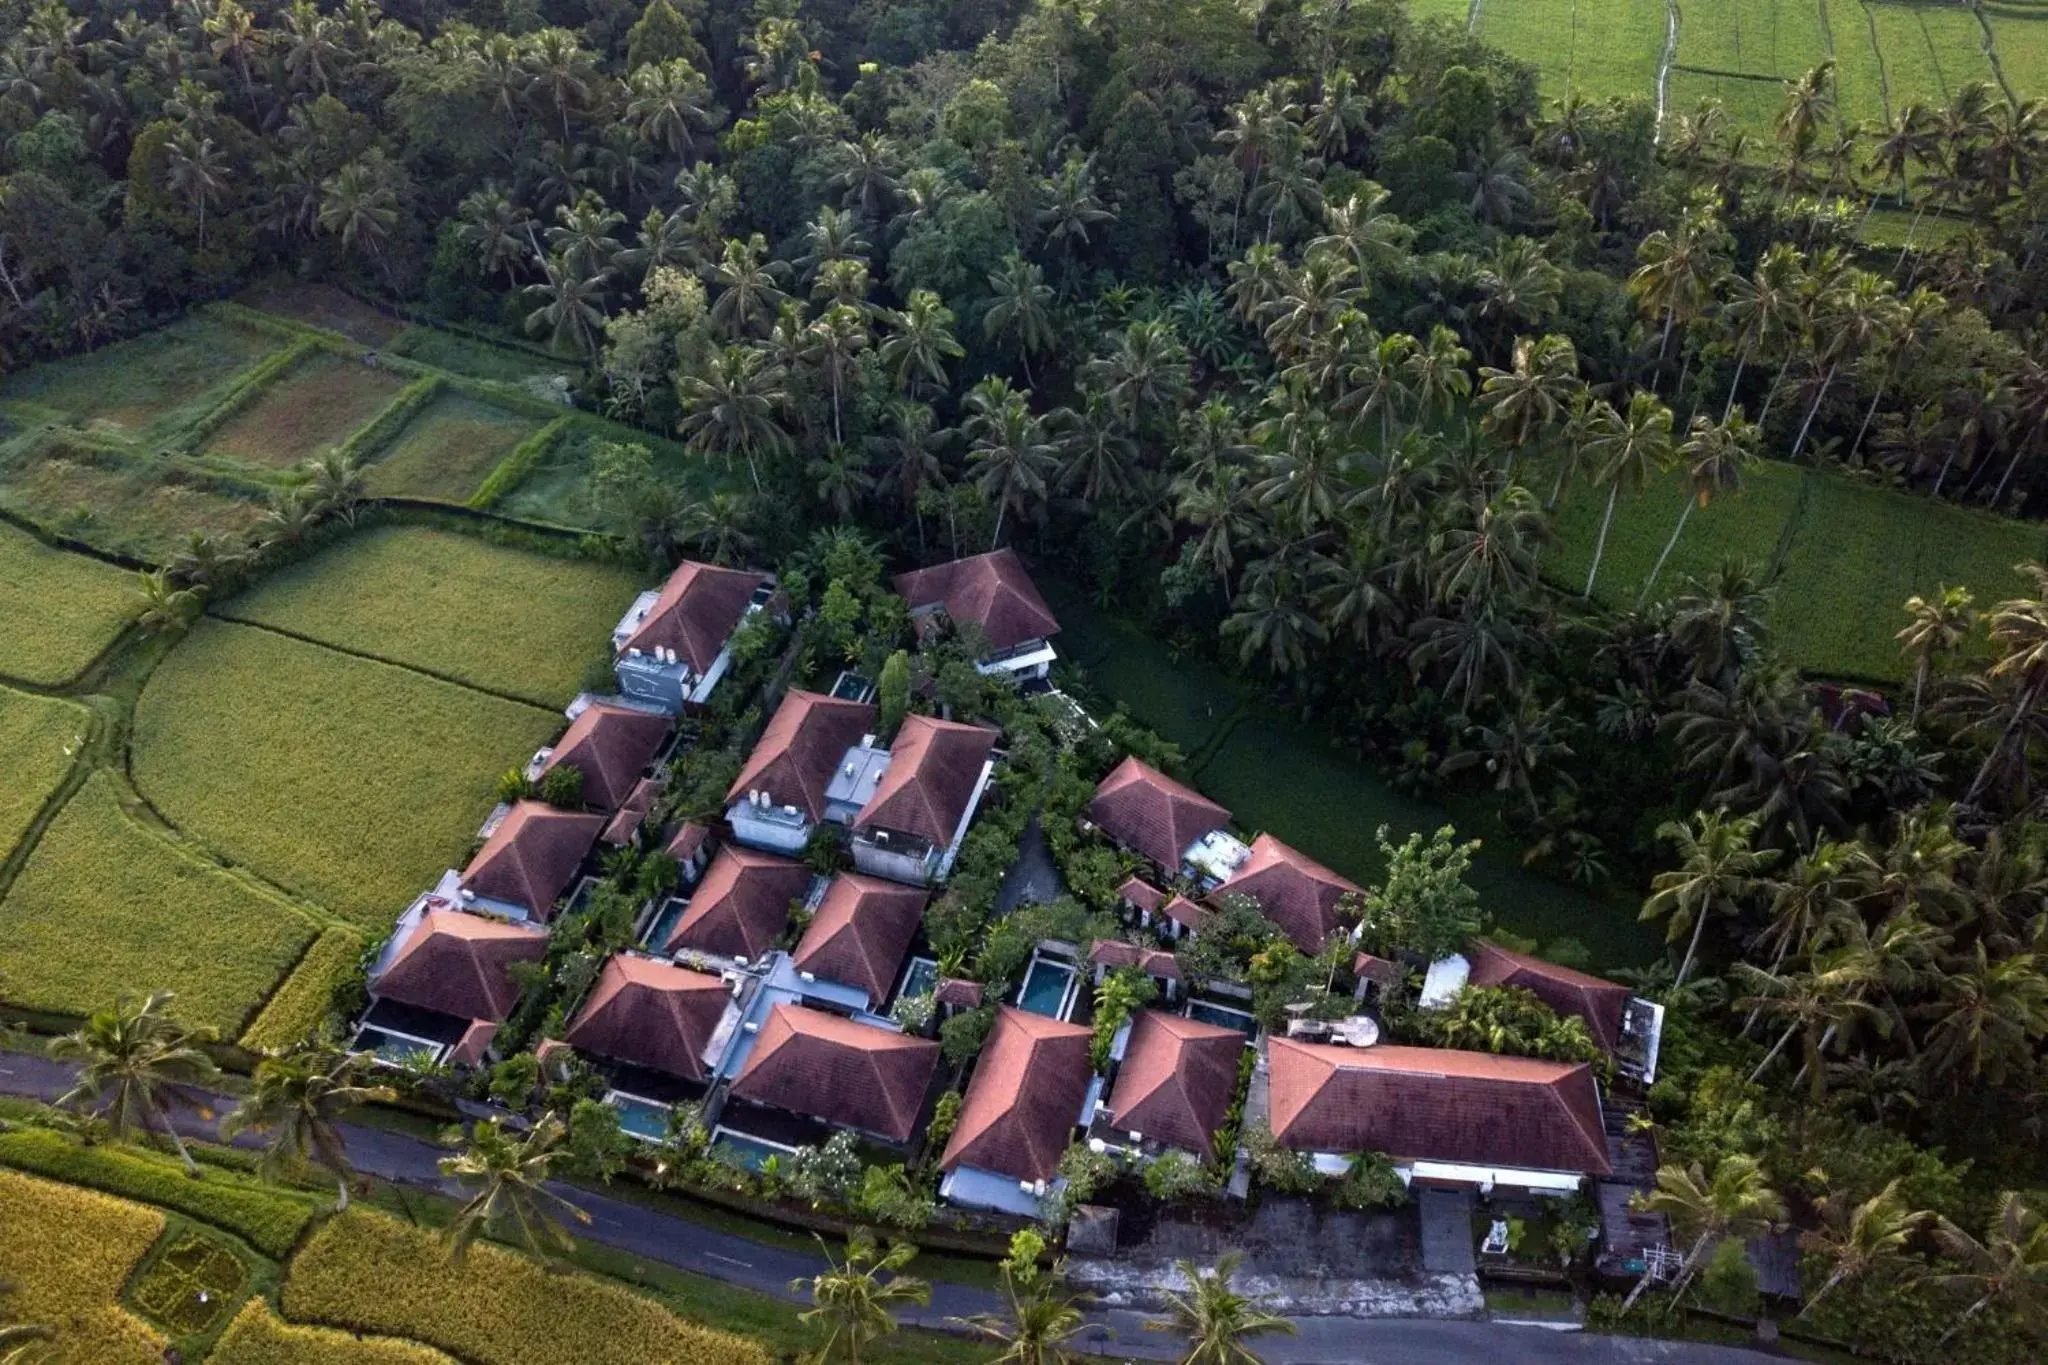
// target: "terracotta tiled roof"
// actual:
[[1149, 813], [1600, 1003], [458, 963], [829, 1067], [741, 906], [530, 858], [861, 932], [611, 746], [1376, 969], [1434, 1104], [933, 766], [651, 1014], [1114, 952], [1176, 1080], [475, 1043], [697, 611], [954, 990], [1297, 893], [991, 590], [801, 748], [1025, 1098], [626, 824], [1158, 962], [1187, 914], [1142, 894], [687, 842]]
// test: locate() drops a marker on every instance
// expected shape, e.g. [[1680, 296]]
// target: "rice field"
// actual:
[[66, 1254], [60, 609], [446, 451], [308, 411], [124, 389], [558, 491], [258, 1336], [351, 782], [1594, 47], [143, 510], [41, 737], [453, 605], [322, 305], [106, 907]]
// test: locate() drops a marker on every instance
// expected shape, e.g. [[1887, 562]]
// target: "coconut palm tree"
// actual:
[[571, 307], [1020, 308], [1762, 308], [1939, 627], [748, 283], [196, 171], [2009, 1266], [166, 607], [1625, 448], [922, 343], [1676, 270], [296, 1100], [359, 204], [1989, 1016], [509, 1172], [730, 405], [1043, 1318], [131, 1057], [1375, 241], [1738, 1202], [1713, 458], [1522, 400], [853, 1301], [1214, 1318], [1719, 866], [669, 103], [2019, 626], [1268, 616], [1009, 450], [832, 345], [1860, 1239]]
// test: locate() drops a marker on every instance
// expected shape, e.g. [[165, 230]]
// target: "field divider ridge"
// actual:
[[368, 441], [448, 678], [1991, 52], [518, 465], [250, 387], [1884, 79]]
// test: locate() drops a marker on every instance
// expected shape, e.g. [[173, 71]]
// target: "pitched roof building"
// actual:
[[1151, 814], [991, 590], [933, 768], [699, 608], [531, 857], [1600, 1003], [611, 746], [1176, 1080], [860, 933], [1297, 893], [832, 1068], [651, 1014], [741, 906], [1025, 1098], [459, 964], [801, 748], [1433, 1104]]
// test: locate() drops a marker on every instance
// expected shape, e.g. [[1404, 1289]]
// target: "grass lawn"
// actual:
[[140, 510], [431, 346], [169, 374], [40, 736], [60, 609], [558, 492], [105, 906], [308, 410], [67, 1253], [523, 624], [352, 782], [446, 450]]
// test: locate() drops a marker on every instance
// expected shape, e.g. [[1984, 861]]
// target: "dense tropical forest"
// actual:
[[1284, 326]]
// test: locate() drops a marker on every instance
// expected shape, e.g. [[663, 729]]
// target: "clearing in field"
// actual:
[[453, 605], [306, 412], [1594, 47], [322, 305], [129, 386], [446, 450], [351, 782], [106, 907], [258, 1337], [59, 609], [142, 510], [66, 1253], [558, 492], [41, 737], [480, 360]]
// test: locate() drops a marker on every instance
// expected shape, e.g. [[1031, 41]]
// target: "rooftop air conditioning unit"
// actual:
[[741, 961], [632, 653], [867, 741], [789, 810], [466, 895], [807, 977], [750, 1027], [852, 768], [1136, 1136]]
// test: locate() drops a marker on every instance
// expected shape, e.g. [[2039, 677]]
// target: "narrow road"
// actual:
[[412, 1163]]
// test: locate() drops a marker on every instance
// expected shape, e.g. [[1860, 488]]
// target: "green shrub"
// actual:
[[303, 1003], [1176, 1175], [518, 467], [1371, 1184], [562, 787]]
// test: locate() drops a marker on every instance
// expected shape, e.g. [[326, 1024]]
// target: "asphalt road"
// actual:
[[1115, 1333]]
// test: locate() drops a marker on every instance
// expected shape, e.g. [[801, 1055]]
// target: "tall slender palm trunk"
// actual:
[[1827, 381], [1600, 545], [1741, 360], [1643, 593]]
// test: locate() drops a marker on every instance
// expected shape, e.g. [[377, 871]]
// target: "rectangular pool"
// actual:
[[742, 1150], [644, 1119], [1223, 1016], [664, 924], [1048, 988], [397, 1048], [919, 978]]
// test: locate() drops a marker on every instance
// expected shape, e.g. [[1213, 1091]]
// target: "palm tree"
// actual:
[[1860, 1239], [1847, 323], [571, 307], [669, 103], [1626, 449], [1514, 748], [1815, 1004], [1097, 452], [1718, 868], [510, 1174], [166, 607], [731, 406], [747, 280], [1021, 309], [1071, 207], [1762, 307], [129, 1058], [1524, 399], [1713, 457], [1375, 241], [1042, 1319], [1214, 1318], [1809, 104], [489, 223], [2009, 1266], [2020, 627], [833, 345], [359, 204], [335, 481], [195, 171], [297, 1098], [1939, 627], [1737, 1202], [842, 480], [1990, 1014], [1675, 276], [851, 1298], [908, 454], [1008, 448], [1268, 616], [922, 344]]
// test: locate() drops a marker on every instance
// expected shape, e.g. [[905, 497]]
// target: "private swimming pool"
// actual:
[[664, 923], [1223, 1016], [742, 1150], [644, 1119], [919, 977], [1049, 988]]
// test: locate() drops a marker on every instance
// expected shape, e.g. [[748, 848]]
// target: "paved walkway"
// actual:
[[1446, 1231], [409, 1162]]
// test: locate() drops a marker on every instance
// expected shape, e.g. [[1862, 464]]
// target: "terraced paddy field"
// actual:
[[66, 1255], [446, 451], [145, 509], [41, 737], [131, 386], [306, 412], [60, 609]]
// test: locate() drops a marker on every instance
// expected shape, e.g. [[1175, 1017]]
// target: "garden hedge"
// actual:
[[258, 1337], [66, 1254], [517, 467]]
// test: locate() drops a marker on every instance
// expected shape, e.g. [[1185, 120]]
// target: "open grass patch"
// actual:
[[477, 359], [189, 1286], [558, 490], [105, 906], [258, 1336], [67, 1252], [324, 306], [351, 782], [60, 609], [368, 1272], [297, 1008], [311, 409], [265, 1216], [158, 378], [454, 605], [142, 510], [40, 736], [447, 451]]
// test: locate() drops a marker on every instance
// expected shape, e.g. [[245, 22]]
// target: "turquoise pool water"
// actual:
[[391, 1047], [743, 1151], [641, 1118], [664, 923], [1222, 1016], [920, 977], [1045, 988]]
